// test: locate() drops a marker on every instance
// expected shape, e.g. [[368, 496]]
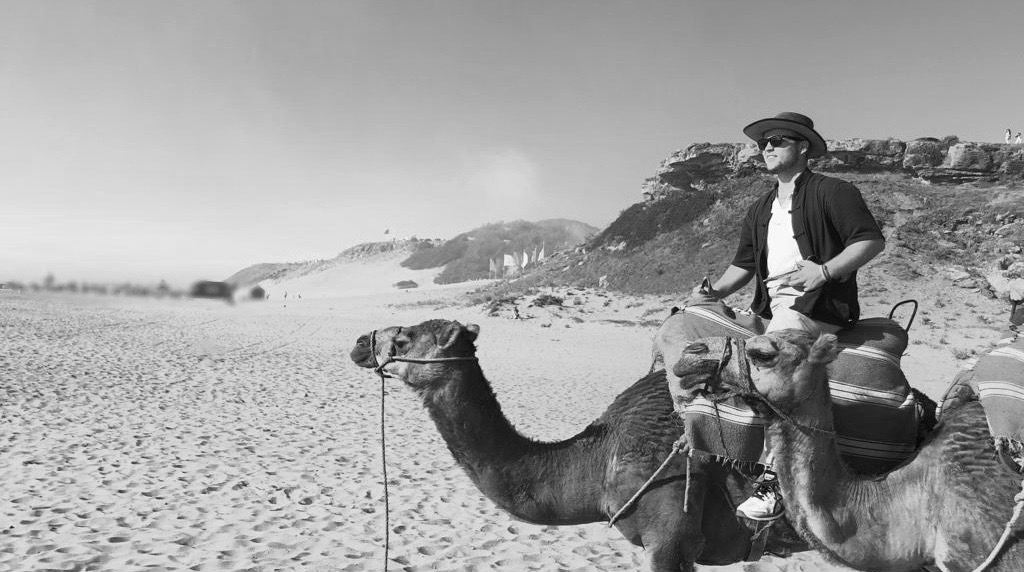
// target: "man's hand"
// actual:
[[808, 276], [703, 292]]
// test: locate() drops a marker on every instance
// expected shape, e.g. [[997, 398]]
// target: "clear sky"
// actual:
[[146, 139]]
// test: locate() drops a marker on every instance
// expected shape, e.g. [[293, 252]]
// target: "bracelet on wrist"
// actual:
[[825, 273]]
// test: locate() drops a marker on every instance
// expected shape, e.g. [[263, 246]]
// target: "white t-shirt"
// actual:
[[783, 254]]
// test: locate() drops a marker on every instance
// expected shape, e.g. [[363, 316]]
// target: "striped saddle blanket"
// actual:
[[876, 412], [998, 381]]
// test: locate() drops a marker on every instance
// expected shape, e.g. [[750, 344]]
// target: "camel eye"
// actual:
[[761, 358]]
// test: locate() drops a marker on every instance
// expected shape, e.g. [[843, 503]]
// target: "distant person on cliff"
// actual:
[[1018, 140], [803, 243], [1008, 135]]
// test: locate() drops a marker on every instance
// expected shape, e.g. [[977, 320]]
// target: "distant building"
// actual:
[[211, 289], [257, 293]]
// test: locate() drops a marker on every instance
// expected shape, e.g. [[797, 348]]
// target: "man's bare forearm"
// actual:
[[853, 257], [731, 280]]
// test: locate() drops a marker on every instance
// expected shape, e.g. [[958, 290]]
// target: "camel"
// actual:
[[947, 506], [586, 478]]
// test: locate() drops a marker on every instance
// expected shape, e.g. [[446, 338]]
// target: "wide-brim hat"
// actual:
[[791, 121]]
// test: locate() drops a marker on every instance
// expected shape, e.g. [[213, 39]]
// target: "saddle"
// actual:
[[876, 411], [997, 380]]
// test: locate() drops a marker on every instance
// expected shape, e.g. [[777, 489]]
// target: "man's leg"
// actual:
[[786, 318]]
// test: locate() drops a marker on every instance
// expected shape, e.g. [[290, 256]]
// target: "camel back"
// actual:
[[998, 379], [876, 413]]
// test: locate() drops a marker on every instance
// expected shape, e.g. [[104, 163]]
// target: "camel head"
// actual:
[[412, 353], [779, 366], [788, 366]]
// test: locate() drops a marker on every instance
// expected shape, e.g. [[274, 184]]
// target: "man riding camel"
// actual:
[[803, 243]]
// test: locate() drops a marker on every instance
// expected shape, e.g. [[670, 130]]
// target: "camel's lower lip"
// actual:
[[362, 357]]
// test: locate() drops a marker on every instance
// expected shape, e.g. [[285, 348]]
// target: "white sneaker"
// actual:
[[765, 504]]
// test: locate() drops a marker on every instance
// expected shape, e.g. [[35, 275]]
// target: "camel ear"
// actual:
[[824, 350], [453, 331]]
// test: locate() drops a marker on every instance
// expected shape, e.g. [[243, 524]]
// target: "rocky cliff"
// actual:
[[946, 160], [952, 213]]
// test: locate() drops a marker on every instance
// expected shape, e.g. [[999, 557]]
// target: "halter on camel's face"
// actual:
[[769, 370], [392, 351]]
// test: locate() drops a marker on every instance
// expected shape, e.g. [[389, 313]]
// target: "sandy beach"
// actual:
[[146, 434]]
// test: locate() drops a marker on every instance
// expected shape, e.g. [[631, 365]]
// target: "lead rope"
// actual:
[[383, 443], [647, 485], [1006, 531], [726, 354], [384, 466], [383, 434]]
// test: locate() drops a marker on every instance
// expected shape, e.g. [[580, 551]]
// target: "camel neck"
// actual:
[[545, 483], [829, 505]]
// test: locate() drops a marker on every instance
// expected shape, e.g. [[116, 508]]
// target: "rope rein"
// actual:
[[379, 370], [1014, 519], [643, 488], [384, 469]]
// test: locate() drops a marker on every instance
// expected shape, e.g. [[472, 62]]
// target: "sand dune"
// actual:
[[356, 277], [193, 435]]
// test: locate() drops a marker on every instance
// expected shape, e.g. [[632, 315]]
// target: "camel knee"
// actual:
[[674, 547]]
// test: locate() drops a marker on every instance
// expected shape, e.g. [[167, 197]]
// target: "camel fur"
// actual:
[[586, 478], [946, 507]]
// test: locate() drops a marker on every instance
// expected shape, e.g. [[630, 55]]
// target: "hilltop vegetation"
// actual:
[[467, 256]]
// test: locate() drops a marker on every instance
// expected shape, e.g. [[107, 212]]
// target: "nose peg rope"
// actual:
[[391, 357]]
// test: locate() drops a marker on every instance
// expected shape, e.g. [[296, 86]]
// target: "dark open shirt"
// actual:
[[828, 215]]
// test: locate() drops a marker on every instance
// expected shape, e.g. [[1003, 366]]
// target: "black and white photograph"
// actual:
[[531, 285]]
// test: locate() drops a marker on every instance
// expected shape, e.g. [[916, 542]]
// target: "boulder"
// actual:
[[968, 157], [924, 153], [699, 164], [862, 155]]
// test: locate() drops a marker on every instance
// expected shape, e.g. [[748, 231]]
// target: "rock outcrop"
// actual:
[[946, 160]]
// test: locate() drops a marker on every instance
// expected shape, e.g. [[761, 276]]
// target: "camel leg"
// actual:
[[672, 539]]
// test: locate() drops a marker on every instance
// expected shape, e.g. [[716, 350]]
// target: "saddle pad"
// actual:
[[998, 378], [876, 413]]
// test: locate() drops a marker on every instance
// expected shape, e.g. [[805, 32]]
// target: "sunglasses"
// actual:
[[776, 141]]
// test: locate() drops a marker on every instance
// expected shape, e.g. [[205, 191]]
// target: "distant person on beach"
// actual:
[[1009, 134], [803, 243]]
